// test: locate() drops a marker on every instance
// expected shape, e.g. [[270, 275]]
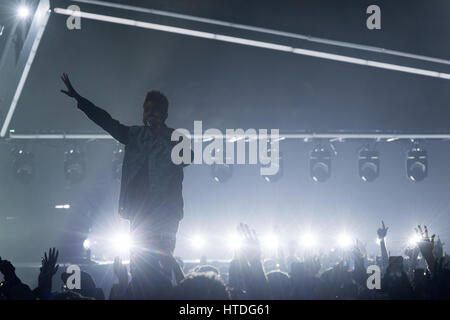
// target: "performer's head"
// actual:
[[155, 108]]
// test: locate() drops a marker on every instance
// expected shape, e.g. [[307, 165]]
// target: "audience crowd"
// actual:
[[422, 273]]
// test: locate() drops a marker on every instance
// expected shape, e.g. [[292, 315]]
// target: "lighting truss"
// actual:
[[42, 15], [388, 137], [252, 43]]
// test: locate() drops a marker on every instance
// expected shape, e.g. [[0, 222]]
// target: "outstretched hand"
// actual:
[[48, 270], [382, 231], [49, 266], [71, 92], [251, 248], [426, 245]]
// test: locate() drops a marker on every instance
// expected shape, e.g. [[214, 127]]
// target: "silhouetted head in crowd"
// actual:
[[280, 285], [270, 265], [206, 268], [70, 295], [87, 286], [201, 286]]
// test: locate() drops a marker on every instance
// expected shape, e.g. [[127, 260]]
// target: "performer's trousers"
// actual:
[[154, 242]]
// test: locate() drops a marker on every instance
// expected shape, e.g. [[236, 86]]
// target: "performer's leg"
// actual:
[[155, 242]]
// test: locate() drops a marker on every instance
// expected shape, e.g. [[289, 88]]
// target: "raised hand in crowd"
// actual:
[[426, 246], [382, 232], [251, 247], [47, 271], [252, 268]]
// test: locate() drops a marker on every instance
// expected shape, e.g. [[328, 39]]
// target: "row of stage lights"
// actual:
[[24, 167], [319, 165], [122, 243], [308, 240]]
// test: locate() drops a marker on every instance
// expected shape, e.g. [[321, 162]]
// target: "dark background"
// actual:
[[233, 86]]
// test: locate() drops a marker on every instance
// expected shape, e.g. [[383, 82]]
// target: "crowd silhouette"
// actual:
[[421, 273]]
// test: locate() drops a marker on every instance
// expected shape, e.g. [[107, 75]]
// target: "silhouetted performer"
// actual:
[[151, 186]]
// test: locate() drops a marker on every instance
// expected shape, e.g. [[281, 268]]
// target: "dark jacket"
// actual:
[[151, 184]]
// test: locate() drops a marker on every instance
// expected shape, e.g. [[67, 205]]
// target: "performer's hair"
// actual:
[[159, 100]]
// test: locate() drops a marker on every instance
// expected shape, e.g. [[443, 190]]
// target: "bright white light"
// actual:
[[122, 242], [87, 244], [23, 12], [308, 240], [378, 241], [344, 240], [234, 241], [62, 206], [413, 240], [270, 242], [198, 242]]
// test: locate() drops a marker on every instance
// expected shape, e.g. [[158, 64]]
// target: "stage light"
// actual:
[[117, 162], [198, 242], [344, 240], [122, 242], [320, 164], [234, 241], [413, 240], [23, 166], [221, 172], [74, 165], [369, 165], [270, 242], [308, 240], [87, 244], [417, 164], [23, 12], [62, 206]]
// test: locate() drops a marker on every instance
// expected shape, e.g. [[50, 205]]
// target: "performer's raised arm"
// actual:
[[102, 118]]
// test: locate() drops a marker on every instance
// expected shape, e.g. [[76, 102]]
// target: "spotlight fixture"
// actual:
[[369, 165], [270, 242], [308, 240], [87, 244], [74, 165], [234, 241], [198, 242], [417, 164], [221, 172], [117, 162], [320, 164], [122, 242], [344, 241], [23, 166], [23, 12], [413, 240]]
